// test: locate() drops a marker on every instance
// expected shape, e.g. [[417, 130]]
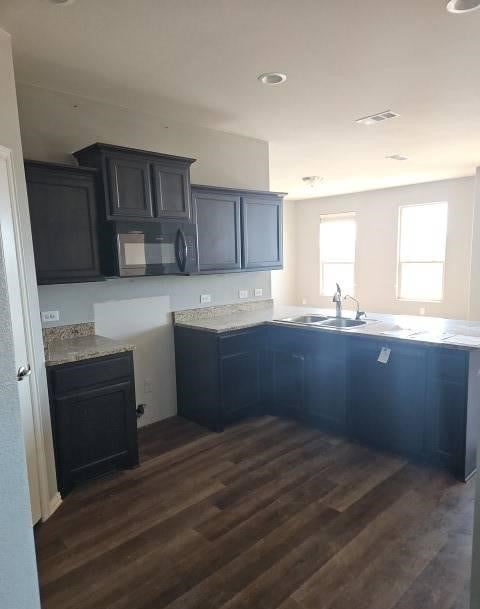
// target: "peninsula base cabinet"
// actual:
[[410, 399], [421, 402], [219, 375], [93, 416]]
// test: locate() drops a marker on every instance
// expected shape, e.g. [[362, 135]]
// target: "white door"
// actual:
[[18, 325]]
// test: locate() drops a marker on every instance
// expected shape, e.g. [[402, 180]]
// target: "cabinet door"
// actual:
[[447, 399], [171, 191], [326, 383], [218, 225], [387, 405], [288, 383], [95, 432], [262, 232], [129, 186], [64, 224], [240, 384]]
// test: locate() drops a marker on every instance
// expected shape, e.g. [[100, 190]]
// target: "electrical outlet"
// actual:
[[258, 291], [243, 293], [205, 298], [422, 310], [50, 316]]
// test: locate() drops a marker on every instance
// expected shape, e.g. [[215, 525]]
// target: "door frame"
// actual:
[[35, 350]]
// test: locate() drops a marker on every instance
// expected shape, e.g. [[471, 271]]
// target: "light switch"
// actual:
[[258, 292], [243, 293]]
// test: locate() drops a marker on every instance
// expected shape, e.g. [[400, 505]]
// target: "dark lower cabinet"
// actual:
[[387, 400], [327, 382], [93, 418], [62, 202], [286, 370], [219, 375], [422, 401]]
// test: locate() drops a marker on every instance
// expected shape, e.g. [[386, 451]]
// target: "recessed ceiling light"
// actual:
[[463, 6], [312, 180], [272, 78], [397, 157], [373, 119], [62, 2]]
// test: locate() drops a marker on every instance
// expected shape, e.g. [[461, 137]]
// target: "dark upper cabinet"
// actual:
[[129, 187], [171, 187], [238, 230], [140, 185], [262, 232], [218, 227], [62, 201]]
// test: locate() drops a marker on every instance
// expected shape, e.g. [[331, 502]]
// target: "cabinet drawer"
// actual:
[[98, 371], [240, 341]]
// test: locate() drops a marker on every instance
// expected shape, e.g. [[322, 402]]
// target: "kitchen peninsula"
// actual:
[[405, 384]]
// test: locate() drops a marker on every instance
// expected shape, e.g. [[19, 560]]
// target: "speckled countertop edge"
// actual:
[[78, 342], [379, 323]]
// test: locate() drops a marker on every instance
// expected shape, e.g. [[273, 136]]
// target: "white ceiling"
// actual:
[[196, 61]]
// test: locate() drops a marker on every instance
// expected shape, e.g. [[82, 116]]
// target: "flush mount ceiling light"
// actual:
[[397, 157], [373, 119], [463, 6], [312, 180], [272, 78]]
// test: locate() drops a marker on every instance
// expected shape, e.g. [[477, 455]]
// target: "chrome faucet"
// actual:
[[337, 299], [359, 313]]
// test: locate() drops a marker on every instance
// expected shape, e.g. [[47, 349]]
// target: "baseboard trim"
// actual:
[[54, 504]]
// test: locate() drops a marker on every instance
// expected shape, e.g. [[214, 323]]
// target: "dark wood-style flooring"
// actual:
[[267, 515]]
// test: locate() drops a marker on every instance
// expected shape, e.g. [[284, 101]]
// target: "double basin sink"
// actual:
[[324, 321]]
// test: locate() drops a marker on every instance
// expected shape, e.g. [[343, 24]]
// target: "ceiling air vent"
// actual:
[[373, 119]]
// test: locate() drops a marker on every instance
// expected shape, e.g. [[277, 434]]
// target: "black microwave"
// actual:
[[168, 248]]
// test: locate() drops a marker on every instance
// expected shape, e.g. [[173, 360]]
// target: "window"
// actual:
[[337, 253], [421, 251]]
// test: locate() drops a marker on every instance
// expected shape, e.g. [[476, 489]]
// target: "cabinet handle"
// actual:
[[23, 371], [182, 250]]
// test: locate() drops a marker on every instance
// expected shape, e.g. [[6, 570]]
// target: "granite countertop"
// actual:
[[65, 344], [437, 331]]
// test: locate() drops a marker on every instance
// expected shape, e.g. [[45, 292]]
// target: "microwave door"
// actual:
[[132, 254]]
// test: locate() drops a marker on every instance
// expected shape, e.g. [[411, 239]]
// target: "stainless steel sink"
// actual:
[[340, 322], [325, 321], [306, 319]]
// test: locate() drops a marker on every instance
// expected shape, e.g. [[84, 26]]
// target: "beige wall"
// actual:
[[53, 125], [376, 253]]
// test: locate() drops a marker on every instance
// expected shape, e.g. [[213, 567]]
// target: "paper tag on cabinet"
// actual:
[[384, 355]]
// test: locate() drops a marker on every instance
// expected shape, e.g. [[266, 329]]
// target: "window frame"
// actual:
[[398, 285], [348, 215]]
